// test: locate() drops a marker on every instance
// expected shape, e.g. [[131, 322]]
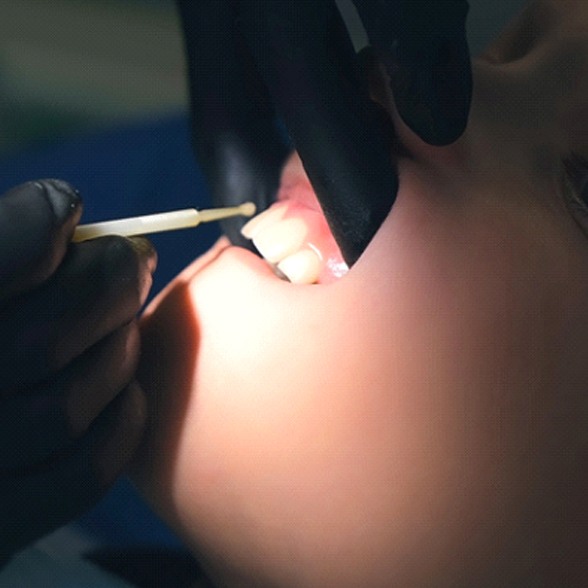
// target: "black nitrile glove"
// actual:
[[71, 414], [254, 64], [424, 47]]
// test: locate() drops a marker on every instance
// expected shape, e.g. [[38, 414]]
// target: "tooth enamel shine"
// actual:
[[281, 239], [288, 227], [303, 267], [271, 215]]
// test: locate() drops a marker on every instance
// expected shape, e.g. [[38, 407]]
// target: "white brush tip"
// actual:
[[247, 209]]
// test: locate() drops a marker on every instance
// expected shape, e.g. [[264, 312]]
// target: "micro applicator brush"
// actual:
[[158, 223]]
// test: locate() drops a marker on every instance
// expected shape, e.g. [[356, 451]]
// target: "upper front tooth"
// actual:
[[281, 239], [269, 216]]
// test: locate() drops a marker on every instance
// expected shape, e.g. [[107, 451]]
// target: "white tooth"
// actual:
[[280, 239], [303, 267], [272, 214]]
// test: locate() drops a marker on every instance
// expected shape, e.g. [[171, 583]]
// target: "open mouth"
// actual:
[[293, 236]]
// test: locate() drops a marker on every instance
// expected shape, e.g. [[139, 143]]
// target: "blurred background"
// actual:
[[71, 66], [68, 66]]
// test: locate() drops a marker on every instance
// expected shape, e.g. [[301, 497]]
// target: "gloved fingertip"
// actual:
[[433, 95], [146, 251], [64, 199]]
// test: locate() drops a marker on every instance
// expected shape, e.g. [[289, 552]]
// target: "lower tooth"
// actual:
[[302, 267]]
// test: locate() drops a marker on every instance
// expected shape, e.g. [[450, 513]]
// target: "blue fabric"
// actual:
[[140, 168]]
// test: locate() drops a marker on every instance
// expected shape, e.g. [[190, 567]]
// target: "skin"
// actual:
[[421, 421]]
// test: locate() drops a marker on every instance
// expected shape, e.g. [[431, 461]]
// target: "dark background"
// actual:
[[69, 66]]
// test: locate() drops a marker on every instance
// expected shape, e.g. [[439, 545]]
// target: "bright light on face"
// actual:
[[418, 421]]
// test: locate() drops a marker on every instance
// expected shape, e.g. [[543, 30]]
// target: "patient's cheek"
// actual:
[[299, 427], [276, 458]]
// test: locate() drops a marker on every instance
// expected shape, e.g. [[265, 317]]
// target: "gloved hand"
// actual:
[[71, 413], [247, 56]]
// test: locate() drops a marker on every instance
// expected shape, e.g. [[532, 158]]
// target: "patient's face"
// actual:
[[419, 421]]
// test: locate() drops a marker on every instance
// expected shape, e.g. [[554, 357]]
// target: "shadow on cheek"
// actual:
[[170, 340]]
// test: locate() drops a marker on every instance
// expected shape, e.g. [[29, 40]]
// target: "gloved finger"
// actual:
[[38, 502], [37, 220], [100, 286], [42, 420], [308, 63], [235, 130], [424, 47]]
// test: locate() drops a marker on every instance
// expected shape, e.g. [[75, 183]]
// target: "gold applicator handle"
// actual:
[[160, 222]]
